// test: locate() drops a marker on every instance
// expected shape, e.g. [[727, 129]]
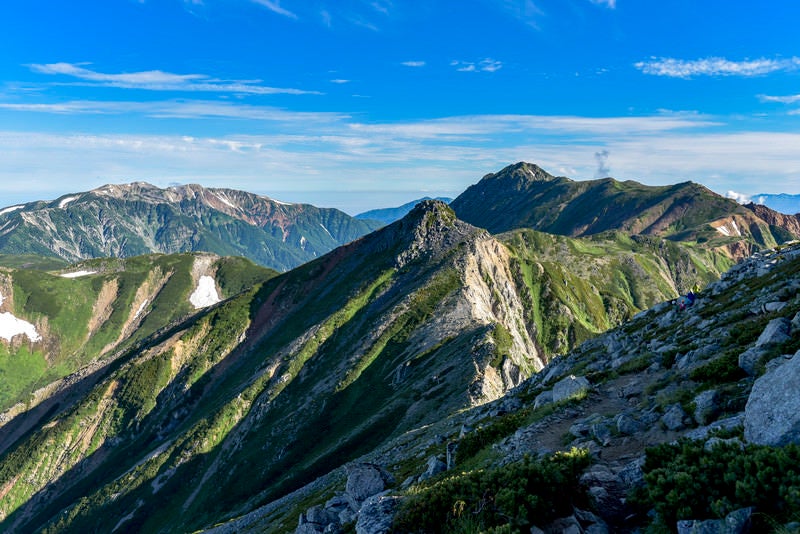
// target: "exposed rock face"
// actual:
[[772, 414]]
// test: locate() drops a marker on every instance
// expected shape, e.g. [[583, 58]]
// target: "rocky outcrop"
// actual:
[[362, 502], [772, 414]]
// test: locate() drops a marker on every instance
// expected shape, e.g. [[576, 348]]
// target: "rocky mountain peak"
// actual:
[[430, 229], [521, 174]]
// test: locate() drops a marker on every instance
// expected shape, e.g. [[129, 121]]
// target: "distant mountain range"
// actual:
[[784, 203], [390, 215], [139, 218]]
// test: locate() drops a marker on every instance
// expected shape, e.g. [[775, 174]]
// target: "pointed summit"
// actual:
[[522, 174], [430, 229]]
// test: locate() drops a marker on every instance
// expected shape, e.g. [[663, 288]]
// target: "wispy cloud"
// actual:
[[611, 4], [340, 81], [451, 152], [788, 99], [715, 66], [177, 109], [413, 63], [484, 65], [525, 11], [275, 6], [157, 80]]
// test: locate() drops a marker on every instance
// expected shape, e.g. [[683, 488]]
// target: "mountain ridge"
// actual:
[[525, 196], [139, 218]]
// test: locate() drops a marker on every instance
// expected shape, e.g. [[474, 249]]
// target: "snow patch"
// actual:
[[11, 326], [66, 201], [9, 209], [224, 200], [141, 309], [77, 274], [206, 293], [729, 229], [326, 230], [282, 203]]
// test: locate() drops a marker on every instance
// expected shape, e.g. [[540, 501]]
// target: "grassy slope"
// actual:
[[576, 288], [66, 305]]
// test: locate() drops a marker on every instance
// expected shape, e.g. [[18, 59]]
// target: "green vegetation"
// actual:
[[516, 496], [684, 481], [720, 370]]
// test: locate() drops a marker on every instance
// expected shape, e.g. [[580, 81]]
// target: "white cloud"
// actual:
[[612, 4], [177, 109], [484, 65], [524, 10], [413, 63], [340, 81], [301, 156], [788, 99], [156, 80], [715, 66], [275, 7], [738, 197]]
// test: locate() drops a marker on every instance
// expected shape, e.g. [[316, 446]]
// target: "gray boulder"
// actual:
[[377, 514], [542, 399], [776, 331], [737, 522], [706, 407], [772, 413], [434, 467], [569, 387], [627, 425], [750, 360], [365, 480], [674, 417]]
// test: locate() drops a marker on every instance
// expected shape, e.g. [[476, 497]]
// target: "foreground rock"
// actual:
[[772, 414]]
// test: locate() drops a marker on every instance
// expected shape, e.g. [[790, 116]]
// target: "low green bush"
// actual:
[[720, 370], [684, 481], [512, 497]]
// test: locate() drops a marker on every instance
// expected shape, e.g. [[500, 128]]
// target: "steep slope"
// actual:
[[678, 415], [525, 196], [390, 215], [258, 396], [789, 224], [138, 218], [54, 323]]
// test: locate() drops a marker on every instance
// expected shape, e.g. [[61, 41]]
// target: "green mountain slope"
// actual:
[[138, 218], [525, 196], [90, 311], [241, 404]]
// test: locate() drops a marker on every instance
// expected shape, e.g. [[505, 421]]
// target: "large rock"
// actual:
[[706, 406], [737, 522], [377, 514], [776, 331], [570, 387], [674, 418], [365, 480], [772, 413], [751, 359]]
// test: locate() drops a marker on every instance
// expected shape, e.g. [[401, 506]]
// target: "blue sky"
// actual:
[[358, 104]]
